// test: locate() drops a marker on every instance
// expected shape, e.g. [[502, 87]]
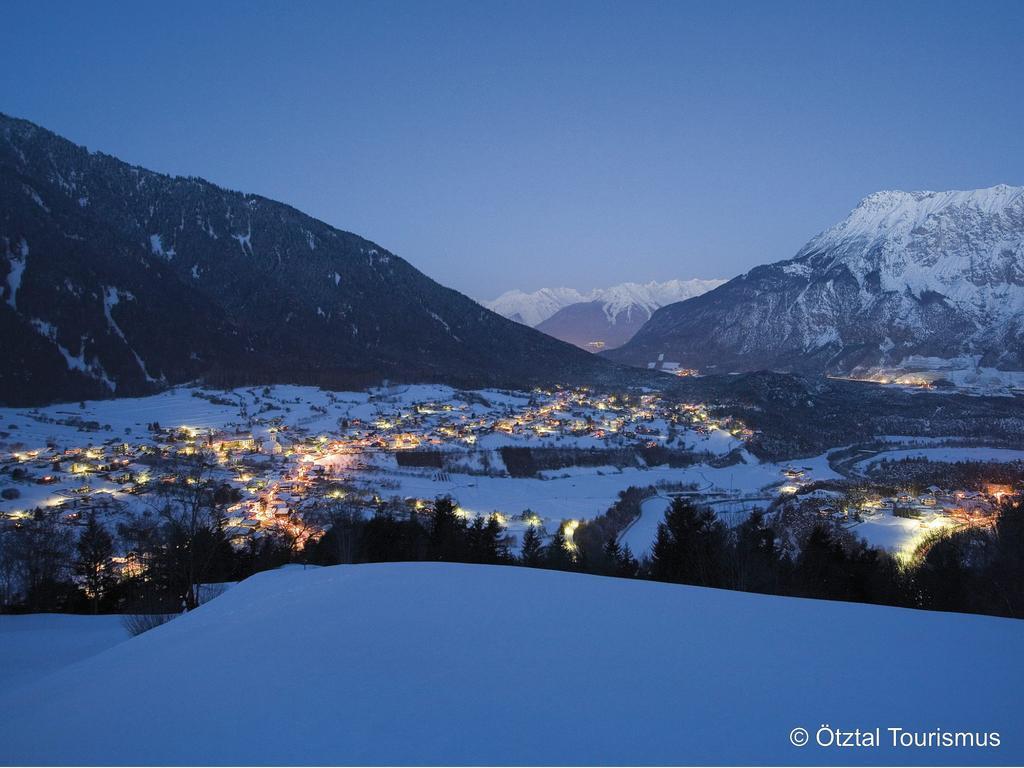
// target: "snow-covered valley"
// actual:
[[276, 445], [284, 448]]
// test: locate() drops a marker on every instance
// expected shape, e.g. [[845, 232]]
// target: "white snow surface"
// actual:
[[950, 454], [536, 307], [16, 263], [35, 645], [419, 663]]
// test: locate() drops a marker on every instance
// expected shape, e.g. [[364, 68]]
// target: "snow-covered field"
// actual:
[[898, 535], [36, 644], [459, 664], [949, 454], [579, 493], [640, 535]]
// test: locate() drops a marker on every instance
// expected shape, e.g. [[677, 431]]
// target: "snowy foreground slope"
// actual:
[[440, 663], [39, 643]]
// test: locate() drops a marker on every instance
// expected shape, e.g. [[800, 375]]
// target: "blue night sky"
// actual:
[[500, 145]]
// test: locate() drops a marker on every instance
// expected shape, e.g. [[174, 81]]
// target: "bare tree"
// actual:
[[191, 505], [41, 548]]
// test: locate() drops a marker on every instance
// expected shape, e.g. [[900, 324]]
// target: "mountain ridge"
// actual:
[[929, 274], [600, 318], [117, 280]]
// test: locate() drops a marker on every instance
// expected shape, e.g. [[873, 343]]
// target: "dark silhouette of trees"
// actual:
[[342, 538], [592, 535], [41, 548], [618, 560], [691, 546], [1006, 569], [829, 569], [95, 548], [977, 570], [191, 508], [756, 558], [557, 555], [532, 550], [387, 538], [612, 556], [485, 542], [447, 532], [821, 567], [51, 562]]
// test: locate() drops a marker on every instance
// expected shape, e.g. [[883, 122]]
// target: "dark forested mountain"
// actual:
[[907, 276], [115, 280]]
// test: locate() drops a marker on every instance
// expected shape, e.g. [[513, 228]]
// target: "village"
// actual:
[[283, 453], [279, 449]]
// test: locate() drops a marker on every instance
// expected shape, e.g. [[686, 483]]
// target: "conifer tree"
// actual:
[[557, 555], [691, 547], [612, 556], [532, 552], [447, 533], [94, 549], [629, 567]]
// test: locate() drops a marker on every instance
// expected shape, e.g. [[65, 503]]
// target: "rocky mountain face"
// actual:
[[601, 319], [923, 275], [115, 280]]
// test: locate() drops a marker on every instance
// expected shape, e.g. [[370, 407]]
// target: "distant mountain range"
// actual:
[[906, 276], [115, 280], [600, 319]]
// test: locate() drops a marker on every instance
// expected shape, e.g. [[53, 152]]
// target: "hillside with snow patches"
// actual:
[[906, 276], [435, 664], [115, 280], [603, 317]]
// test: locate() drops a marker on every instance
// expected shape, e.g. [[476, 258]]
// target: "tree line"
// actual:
[[171, 552]]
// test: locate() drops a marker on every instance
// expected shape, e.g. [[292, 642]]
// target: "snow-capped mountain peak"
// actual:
[[965, 246], [599, 319], [896, 216], [648, 296], [905, 275], [535, 307]]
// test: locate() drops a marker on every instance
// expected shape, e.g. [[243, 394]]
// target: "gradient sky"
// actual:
[[520, 145]]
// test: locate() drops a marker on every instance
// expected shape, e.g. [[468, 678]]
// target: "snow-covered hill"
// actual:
[[601, 318], [925, 274], [459, 664]]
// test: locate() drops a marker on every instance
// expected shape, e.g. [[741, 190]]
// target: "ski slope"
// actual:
[[460, 664]]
